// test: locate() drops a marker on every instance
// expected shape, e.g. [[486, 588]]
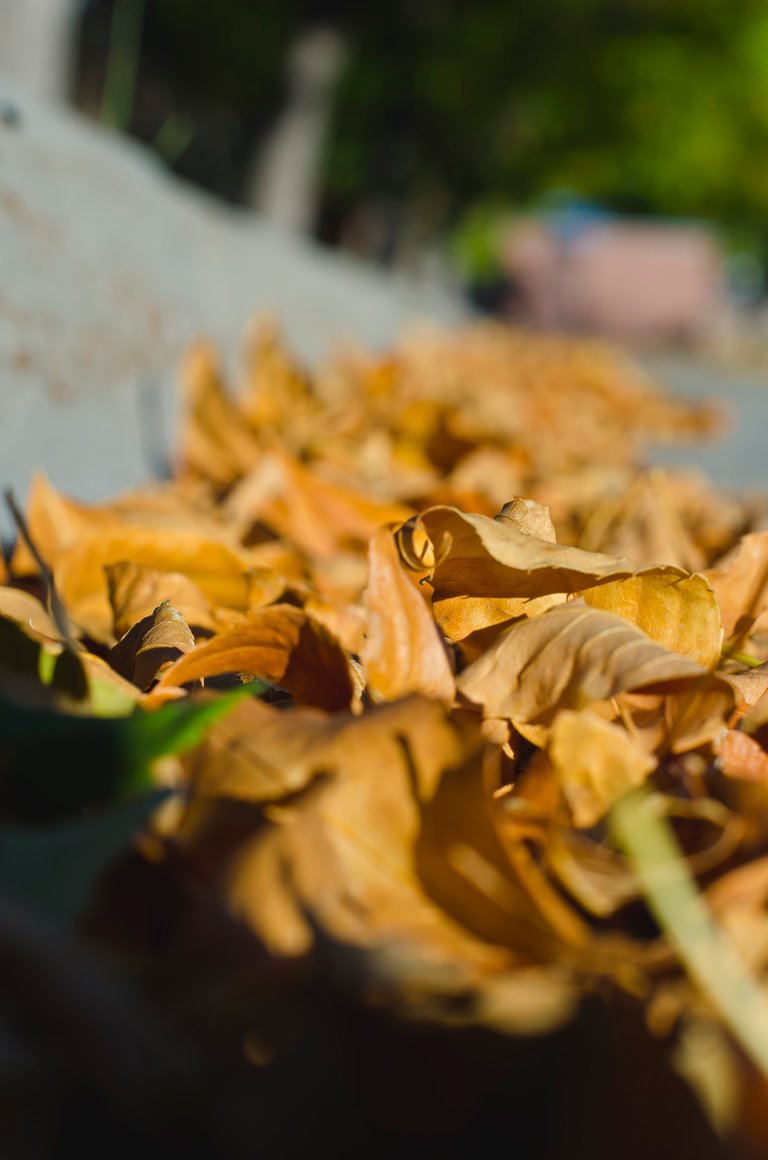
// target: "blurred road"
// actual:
[[737, 460]]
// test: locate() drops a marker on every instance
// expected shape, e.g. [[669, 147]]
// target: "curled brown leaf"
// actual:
[[280, 644], [403, 650], [154, 641], [573, 656]]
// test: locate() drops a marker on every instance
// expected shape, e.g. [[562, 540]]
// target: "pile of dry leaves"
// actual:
[[392, 643]]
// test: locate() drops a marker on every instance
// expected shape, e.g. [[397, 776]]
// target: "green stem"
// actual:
[[707, 952], [733, 654]]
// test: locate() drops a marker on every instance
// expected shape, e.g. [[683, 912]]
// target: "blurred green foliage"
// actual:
[[477, 241], [77, 761], [71, 740], [657, 107], [652, 106]]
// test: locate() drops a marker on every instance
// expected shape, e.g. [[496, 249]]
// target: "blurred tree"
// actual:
[[656, 106]]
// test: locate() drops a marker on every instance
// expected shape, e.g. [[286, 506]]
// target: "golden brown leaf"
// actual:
[[529, 516], [275, 384], [740, 582], [484, 557], [55, 522], [488, 573], [482, 878], [755, 719], [403, 650], [156, 640], [135, 591], [751, 684], [366, 856], [344, 621], [740, 755], [678, 612], [260, 753], [298, 503], [574, 656], [27, 610], [281, 645], [219, 570], [381, 765], [596, 763], [215, 441]]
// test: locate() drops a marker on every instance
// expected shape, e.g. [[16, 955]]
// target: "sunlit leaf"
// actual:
[[135, 591], [218, 569], [597, 762], [574, 656], [403, 651], [487, 573], [678, 612], [740, 582]]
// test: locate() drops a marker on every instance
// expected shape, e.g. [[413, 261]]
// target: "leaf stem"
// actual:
[[707, 952]]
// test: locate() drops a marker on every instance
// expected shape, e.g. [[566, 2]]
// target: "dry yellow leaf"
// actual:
[[487, 573], [574, 656], [280, 644], [156, 640], [219, 570], [55, 523], [366, 855], [680, 613], [215, 440], [300, 504], [529, 516], [403, 650], [740, 582], [596, 763], [135, 591]]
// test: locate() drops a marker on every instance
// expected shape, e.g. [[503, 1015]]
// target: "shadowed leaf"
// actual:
[[281, 645], [155, 641]]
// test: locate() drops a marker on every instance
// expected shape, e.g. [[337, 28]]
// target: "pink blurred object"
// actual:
[[629, 280]]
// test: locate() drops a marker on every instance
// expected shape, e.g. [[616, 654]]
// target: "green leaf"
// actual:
[[32, 674], [181, 725], [55, 869], [54, 765], [19, 653]]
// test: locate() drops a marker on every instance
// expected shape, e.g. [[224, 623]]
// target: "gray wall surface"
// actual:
[[110, 268]]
